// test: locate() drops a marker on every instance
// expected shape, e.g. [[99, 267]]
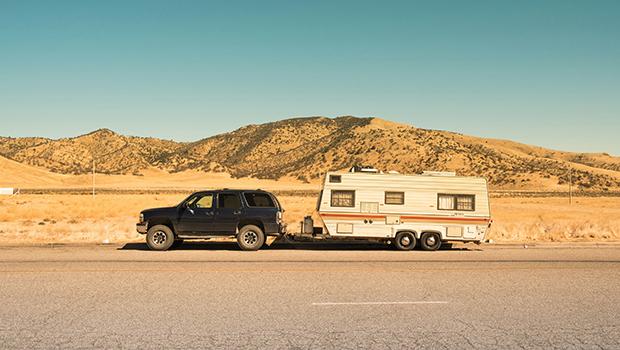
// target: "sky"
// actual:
[[540, 72]]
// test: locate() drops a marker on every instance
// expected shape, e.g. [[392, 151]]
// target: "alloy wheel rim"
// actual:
[[159, 237], [250, 237]]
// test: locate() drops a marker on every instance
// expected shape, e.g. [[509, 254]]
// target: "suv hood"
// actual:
[[158, 211]]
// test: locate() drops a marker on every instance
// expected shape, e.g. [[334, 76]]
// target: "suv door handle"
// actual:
[[236, 212], [208, 213]]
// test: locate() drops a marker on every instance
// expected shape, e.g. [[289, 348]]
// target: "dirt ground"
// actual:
[[65, 218]]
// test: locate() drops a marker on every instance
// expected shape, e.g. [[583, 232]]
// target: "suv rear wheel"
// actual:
[[250, 237], [159, 237]]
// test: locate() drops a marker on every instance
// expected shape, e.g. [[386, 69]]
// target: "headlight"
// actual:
[[279, 217], [141, 217]]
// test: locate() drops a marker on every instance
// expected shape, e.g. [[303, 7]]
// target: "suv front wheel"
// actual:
[[159, 237], [250, 237]]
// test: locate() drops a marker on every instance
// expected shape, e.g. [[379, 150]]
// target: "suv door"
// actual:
[[228, 213], [197, 216]]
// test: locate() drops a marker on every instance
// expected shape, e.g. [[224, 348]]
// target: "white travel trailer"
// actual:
[[431, 208]]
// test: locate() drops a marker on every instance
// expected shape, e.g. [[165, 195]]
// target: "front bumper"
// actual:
[[141, 227]]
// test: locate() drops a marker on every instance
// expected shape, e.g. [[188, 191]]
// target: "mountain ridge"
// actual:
[[306, 147]]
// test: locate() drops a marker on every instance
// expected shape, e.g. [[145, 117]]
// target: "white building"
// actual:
[[7, 191]]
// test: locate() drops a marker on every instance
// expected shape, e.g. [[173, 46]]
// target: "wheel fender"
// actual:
[[415, 234], [418, 230], [442, 237], [162, 221]]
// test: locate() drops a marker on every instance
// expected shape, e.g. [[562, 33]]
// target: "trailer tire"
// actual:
[[404, 240], [430, 241], [250, 237], [159, 237]]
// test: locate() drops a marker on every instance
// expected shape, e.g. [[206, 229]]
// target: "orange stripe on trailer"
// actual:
[[449, 218], [411, 217], [354, 215]]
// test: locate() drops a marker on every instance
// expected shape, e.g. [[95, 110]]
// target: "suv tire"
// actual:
[[250, 237], [159, 237]]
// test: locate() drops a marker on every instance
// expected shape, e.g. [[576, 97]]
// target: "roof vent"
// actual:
[[363, 169], [439, 173]]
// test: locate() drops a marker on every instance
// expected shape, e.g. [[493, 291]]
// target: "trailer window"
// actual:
[[445, 202], [343, 198], [465, 203], [335, 178], [397, 198], [460, 202]]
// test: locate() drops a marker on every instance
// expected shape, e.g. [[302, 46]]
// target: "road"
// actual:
[[309, 297]]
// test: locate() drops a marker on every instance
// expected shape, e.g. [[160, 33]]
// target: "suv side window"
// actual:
[[204, 201], [228, 200], [256, 199]]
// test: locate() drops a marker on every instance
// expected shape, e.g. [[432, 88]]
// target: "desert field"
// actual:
[[57, 208], [74, 218]]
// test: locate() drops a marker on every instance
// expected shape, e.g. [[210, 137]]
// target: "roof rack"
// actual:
[[363, 169]]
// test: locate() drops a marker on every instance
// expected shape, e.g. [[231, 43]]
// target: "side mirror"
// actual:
[[188, 208]]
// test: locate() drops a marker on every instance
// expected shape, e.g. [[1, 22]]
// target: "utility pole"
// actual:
[[93, 177], [570, 184]]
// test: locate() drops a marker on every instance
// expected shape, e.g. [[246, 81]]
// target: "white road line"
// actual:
[[379, 303]]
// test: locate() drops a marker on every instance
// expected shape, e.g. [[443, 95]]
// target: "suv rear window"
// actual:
[[259, 200], [228, 200]]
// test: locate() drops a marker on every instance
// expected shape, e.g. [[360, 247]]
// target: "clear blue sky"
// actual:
[[539, 72]]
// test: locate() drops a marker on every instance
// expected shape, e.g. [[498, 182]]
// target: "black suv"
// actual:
[[248, 215]]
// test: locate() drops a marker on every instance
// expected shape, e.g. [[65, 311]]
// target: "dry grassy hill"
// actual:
[[17, 174], [114, 153], [303, 148]]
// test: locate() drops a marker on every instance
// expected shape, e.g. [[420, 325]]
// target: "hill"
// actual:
[[114, 153], [304, 148], [14, 174]]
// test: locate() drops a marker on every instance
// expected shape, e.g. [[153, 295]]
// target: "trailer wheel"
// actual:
[[404, 241], [159, 237], [250, 237], [430, 241]]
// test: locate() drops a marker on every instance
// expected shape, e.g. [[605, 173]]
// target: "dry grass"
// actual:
[[75, 218], [588, 219], [27, 219]]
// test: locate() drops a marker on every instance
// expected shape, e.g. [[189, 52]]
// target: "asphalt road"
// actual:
[[315, 297]]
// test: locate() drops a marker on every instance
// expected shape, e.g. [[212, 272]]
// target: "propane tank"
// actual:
[[308, 225]]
